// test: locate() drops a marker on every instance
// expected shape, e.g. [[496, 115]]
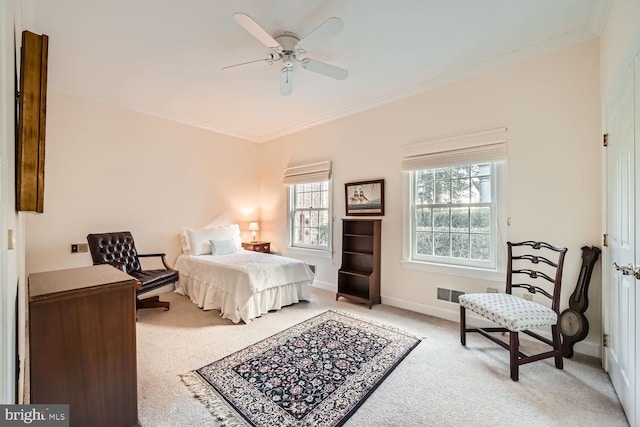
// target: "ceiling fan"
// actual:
[[288, 48]]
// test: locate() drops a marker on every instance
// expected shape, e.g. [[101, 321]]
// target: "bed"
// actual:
[[217, 274]]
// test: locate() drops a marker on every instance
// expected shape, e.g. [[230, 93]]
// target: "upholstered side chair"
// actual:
[[118, 249], [537, 268]]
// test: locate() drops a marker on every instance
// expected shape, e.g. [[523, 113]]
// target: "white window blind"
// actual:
[[305, 174], [487, 146]]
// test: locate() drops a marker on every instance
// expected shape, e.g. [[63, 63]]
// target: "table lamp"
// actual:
[[253, 227]]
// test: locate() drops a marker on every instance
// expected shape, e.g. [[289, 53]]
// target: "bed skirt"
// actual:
[[209, 297]]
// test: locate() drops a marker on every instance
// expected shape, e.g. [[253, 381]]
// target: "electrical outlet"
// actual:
[[528, 296], [79, 247], [492, 290]]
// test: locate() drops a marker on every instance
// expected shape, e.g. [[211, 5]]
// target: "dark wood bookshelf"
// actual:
[[359, 275]]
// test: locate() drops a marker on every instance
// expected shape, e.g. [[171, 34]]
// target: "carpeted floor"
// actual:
[[440, 383]]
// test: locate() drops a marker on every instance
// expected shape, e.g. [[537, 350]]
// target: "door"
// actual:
[[636, 337], [621, 215]]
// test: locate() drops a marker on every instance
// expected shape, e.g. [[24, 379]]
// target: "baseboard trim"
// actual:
[[331, 287], [586, 347]]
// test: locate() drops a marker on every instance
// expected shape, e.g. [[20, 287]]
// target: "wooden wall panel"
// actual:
[[31, 122]]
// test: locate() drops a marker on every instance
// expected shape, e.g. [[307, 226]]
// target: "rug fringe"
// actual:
[[225, 416]]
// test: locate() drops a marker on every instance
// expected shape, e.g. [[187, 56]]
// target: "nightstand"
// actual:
[[257, 246]]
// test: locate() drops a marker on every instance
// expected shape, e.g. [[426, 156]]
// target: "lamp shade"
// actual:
[[253, 227]]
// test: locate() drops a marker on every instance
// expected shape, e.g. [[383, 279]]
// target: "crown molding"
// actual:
[[453, 76], [599, 15]]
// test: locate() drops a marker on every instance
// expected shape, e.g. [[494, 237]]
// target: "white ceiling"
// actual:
[[165, 57]]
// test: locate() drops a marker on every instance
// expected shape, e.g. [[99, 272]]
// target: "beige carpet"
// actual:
[[440, 383]]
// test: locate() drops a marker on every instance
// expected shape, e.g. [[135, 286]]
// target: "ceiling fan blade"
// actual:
[[257, 31], [324, 69], [267, 60], [286, 81], [327, 29]]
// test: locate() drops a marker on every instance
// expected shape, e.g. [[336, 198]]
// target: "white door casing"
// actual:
[[636, 338], [621, 214]]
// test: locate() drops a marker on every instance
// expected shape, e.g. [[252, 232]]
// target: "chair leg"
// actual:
[[557, 346], [463, 326], [513, 351]]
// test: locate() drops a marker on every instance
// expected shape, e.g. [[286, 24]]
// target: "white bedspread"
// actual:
[[243, 285]]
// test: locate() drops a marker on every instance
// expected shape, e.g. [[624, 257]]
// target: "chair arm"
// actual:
[[162, 256]]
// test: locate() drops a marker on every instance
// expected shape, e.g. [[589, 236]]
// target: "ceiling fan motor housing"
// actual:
[[288, 41]]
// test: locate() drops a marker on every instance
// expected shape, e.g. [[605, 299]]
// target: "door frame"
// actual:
[[632, 55], [637, 207], [7, 137]]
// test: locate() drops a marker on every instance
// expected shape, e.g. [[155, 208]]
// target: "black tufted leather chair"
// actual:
[[119, 250]]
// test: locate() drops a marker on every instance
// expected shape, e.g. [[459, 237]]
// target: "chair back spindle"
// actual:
[[527, 267]]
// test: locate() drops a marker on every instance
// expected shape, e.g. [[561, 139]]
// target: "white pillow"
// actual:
[[200, 238], [223, 247], [229, 232]]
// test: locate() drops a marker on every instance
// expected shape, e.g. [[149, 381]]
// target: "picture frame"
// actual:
[[364, 198]]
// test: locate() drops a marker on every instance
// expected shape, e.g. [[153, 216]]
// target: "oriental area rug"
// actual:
[[316, 373]]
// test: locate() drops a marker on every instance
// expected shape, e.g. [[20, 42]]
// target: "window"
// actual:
[[309, 206], [455, 204], [309, 221], [454, 212]]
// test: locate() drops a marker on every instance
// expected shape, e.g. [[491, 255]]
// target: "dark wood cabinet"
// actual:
[[359, 275], [257, 246], [82, 344]]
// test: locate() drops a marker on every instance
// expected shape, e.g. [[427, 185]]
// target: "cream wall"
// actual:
[[550, 106], [619, 42], [108, 169]]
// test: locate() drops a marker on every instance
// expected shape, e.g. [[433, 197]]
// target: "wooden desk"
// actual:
[[82, 344]]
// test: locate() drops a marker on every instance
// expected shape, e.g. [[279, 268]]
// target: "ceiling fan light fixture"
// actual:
[[287, 60]]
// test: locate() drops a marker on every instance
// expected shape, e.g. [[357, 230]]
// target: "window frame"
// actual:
[[291, 214], [493, 270]]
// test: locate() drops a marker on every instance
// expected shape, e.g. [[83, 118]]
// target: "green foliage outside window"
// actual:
[[453, 212]]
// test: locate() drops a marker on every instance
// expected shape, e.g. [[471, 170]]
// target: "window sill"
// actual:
[[455, 270], [318, 253]]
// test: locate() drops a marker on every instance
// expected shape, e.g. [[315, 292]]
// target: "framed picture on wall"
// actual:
[[365, 198]]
